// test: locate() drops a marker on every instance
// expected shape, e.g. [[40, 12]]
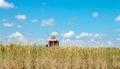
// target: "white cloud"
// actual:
[[109, 43], [40, 41], [95, 14], [68, 39], [20, 17], [77, 37], [119, 35], [68, 34], [54, 33], [0, 38], [82, 43], [8, 24], [71, 42], [117, 30], [97, 35], [17, 36], [118, 39], [4, 4], [85, 34], [117, 18], [19, 26], [4, 20], [47, 22], [34, 20], [88, 35], [30, 34], [92, 40]]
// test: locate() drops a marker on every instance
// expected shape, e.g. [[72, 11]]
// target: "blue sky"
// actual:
[[87, 22]]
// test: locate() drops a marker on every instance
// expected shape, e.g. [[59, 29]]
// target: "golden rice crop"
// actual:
[[16, 56]]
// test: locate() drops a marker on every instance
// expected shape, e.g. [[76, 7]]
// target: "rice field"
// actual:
[[17, 56]]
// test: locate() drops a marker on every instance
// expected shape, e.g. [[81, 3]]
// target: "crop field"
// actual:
[[16, 56]]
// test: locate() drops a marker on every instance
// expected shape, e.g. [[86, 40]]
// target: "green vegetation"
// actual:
[[15, 56]]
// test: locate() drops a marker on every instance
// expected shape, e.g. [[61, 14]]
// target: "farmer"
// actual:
[[53, 41]]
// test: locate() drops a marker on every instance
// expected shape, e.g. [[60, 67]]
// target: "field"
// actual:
[[16, 56]]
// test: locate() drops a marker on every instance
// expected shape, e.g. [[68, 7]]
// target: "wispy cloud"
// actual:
[[110, 43], [71, 42], [17, 36], [4, 20], [119, 35], [30, 34], [54, 33], [95, 14], [0, 37], [117, 18], [68, 34], [34, 21], [118, 39], [4, 4], [47, 22], [19, 26], [8, 24], [20, 17], [117, 30], [84, 34], [86, 43]]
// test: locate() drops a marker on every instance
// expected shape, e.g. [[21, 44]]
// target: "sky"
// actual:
[[74, 22]]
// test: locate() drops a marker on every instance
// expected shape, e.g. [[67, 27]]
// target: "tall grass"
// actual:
[[16, 56]]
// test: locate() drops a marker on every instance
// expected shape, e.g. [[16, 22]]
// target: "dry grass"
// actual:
[[37, 57]]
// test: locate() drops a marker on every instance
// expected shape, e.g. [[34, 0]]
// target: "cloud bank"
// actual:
[[4, 4]]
